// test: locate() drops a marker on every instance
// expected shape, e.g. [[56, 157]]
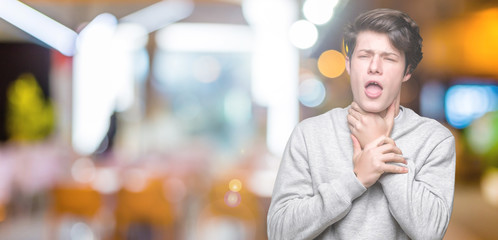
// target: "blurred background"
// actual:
[[147, 119]]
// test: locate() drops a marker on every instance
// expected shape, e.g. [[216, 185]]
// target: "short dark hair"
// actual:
[[401, 29]]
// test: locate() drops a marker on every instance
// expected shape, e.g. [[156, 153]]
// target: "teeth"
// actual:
[[374, 84]]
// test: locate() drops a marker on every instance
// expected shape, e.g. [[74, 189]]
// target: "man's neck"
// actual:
[[396, 112]]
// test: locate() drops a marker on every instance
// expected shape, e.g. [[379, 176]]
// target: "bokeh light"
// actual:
[[83, 170], [489, 186], [331, 63], [235, 185], [106, 180], [135, 179], [232, 199], [81, 231], [319, 11], [464, 103], [303, 34], [311, 92], [483, 134]]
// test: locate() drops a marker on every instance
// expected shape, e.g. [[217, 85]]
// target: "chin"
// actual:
[[372, 107]]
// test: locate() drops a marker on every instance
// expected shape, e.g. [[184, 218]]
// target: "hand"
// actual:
[[367, 127], [373, 161]]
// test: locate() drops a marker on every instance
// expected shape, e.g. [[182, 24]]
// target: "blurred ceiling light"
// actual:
[[205, 37], [102, 26], [465, 103], [131, 36], [275, 67], [128, 40], [319, 11], [39, 26], [271, 14], [93, 84], [303, 34], [160, 14]]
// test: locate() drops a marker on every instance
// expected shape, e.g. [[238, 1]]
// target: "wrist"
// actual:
[[359, 178]]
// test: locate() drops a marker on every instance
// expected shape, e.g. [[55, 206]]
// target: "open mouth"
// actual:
[[373, 89]]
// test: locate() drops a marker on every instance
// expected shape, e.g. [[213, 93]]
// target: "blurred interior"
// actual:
[[147, 119]]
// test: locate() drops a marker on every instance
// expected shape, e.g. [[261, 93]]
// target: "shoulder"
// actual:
[[331, 119], [425, 127]]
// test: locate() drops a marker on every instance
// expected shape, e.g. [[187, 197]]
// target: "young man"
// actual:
[[373, 170]]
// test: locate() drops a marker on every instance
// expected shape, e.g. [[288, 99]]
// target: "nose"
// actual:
[[375, 66]]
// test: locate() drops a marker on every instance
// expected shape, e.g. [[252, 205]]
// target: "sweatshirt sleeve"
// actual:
[[296, 210], [421, 201]]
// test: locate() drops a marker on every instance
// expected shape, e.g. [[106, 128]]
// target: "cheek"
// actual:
[[394, 89], [355, 86]]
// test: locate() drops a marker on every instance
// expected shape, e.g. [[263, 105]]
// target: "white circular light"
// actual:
[[319, 11], [303, 34]]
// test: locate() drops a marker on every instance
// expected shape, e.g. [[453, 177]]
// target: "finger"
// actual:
[[356, 145], [389, 148], [393, 157], [390, 168], [382, 140], [387, 140], [357, 108], [376, 143], [354, 113], [353, 122]]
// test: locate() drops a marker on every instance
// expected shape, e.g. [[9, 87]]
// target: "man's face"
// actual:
[[377, 70]]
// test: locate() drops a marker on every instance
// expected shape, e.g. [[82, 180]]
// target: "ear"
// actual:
[[348, 66], [407, 75]]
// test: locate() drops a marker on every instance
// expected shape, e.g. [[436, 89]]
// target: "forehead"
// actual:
[[374, 41]]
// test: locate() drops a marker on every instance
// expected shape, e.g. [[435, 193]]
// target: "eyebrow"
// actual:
[[382, 53]]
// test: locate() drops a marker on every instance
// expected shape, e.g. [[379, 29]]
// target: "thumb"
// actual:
[[356, 145]]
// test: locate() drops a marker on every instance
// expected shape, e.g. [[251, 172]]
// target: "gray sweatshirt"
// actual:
[[317, 195]]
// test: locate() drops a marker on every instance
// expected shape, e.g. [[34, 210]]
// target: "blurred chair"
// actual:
[[79, 202], [144, 214]]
